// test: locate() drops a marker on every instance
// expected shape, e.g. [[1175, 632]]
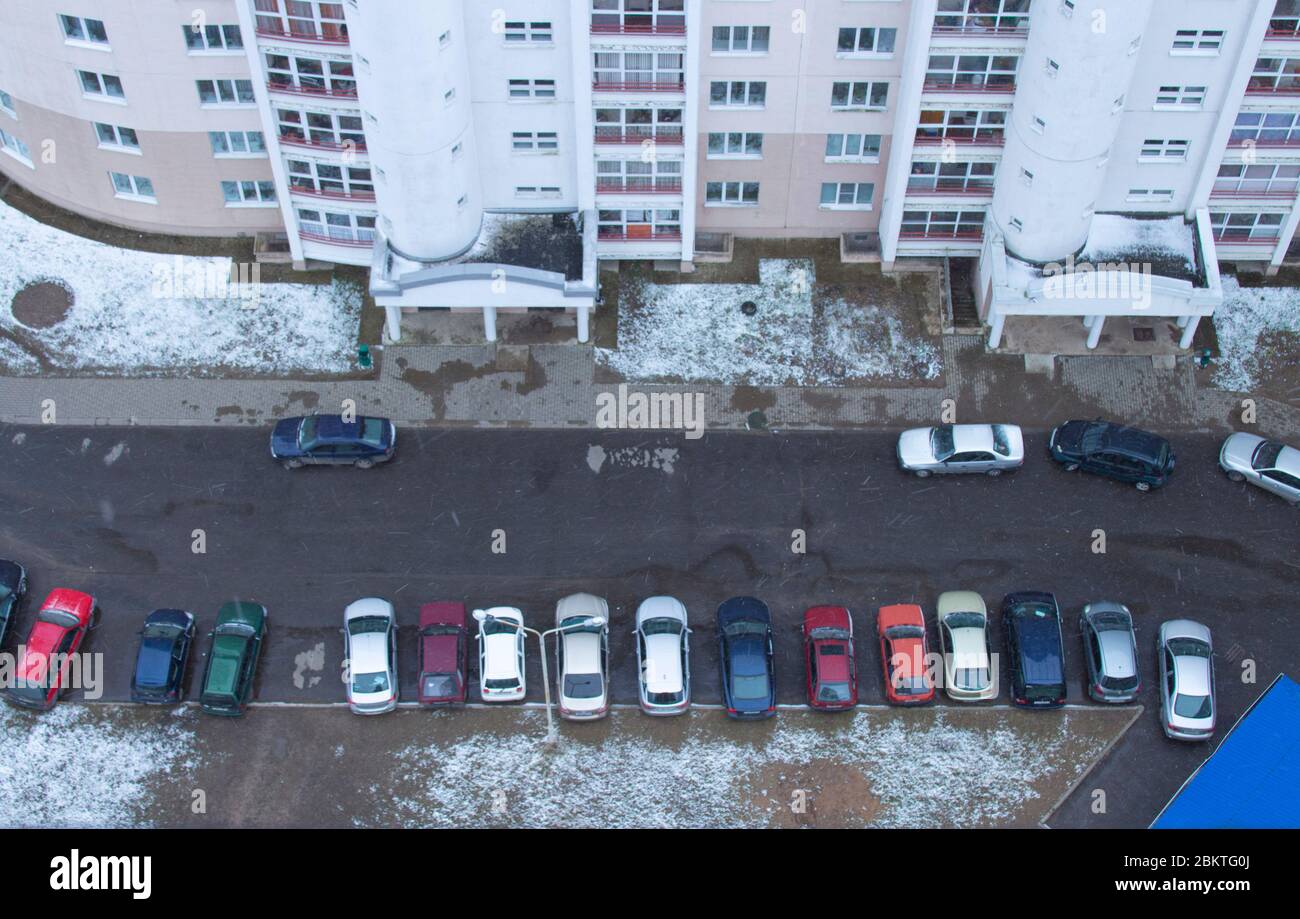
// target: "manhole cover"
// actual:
[[749, 307], [42, 304], [1142, 333], [756, 421]]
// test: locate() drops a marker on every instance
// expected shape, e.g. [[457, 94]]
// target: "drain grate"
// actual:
[[1142, 333]]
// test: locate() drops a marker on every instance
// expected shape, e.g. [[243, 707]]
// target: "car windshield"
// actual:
[[971, 678], [1188, 647], [745, 627], [372, 431], [662, 627], [749, 688], [915, 686], [440, 630], [833, 692], [941, 443], [366, 683], [509, 683], [904, 631], [307, 433], [964, 621], [365, 625], [583, 685], [160, 630], [829, 634], [1266, 455], [439, 685], [1094, 436], [664, 698], [1001, 442], [1119, 683], [493, 626], [1186, 706]]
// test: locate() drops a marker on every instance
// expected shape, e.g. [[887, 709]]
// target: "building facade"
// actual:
[[432, 141]]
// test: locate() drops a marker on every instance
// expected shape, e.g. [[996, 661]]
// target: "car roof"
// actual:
[[1117, 653], [581, 652], [663, 663], [1192, 675], [970, 437], [499, 650], [1134, 441], [1289, 460], [334, 428], [368, 652]]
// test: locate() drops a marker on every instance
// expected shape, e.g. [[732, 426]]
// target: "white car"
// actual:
[[582, 657], [500, 654], [370, 636], [1186, 680], [663, 656], [951, 448], [968, 674], [1267, 464]]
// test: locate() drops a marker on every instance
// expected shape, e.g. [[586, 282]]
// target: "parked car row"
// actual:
[[1105, 448]]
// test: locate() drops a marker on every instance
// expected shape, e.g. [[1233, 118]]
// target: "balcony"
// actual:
[[1229, 193], [353, 147], [633, 137], [955, 190], [1268, 87], [364, 196], [639, 186], [611, 236], [1223, 239], [942, 86], [303, 37], [636, 86], [318, 92], [980, 139], [1288, 34], [1248, 142], [971, 236], [350, 241], [669, 28], [972, 29]]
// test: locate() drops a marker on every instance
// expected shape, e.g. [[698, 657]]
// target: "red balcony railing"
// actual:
[[636, 138], [1283, 34], [1011, 31], [289, 140], [337, 92], [628, 28], [613, 236], [639, 187], [601, 86], [1260, 88], [333, 195], [981, 139], [941, 189], [337, 241], [313, 39], [957, 235], [939, 86]]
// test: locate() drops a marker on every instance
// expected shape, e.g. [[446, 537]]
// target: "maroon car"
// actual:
[[828, 653], [444, 654]]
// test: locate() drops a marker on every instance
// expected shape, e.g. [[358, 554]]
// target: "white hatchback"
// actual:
[[370, 636], [663, 656], [501, 654], [582, 656]]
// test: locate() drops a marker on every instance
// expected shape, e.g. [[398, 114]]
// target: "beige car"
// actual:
[[969, 674]]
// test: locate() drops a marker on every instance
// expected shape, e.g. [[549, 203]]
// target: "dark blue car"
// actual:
[[1037, 655], [13, 584], [329, 440], [745, 641], [159, 676]]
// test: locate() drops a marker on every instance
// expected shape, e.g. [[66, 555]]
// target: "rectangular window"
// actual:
[[735, 145], [863, 41], [659, 176], [1197, 41], [1157, 150], [532, 89], [336, 227], [1267, 129], [82, 29], [517, 33], [639, 224], [213, 38], [1249, 227], [982, 16], [961, 126], [731, 194], [320, 129], [318, 21], [534, 141], [1181, 96], [737, 94], [741, 39], [951, 178], [851, 196], [226, 92], [966, 225], [637, 125], [1149, 195], [618, 70], [247, 192], [537, 191], [331, 180], [638, 17], [7, 104], [853, 148], [237, 143], [311, 75], [1271, 181], [15, 148], [100, 85], [136, 188], [116, 137], [971, 72], [859, 95]]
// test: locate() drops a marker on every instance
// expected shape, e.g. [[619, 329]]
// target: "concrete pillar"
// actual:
[[1189, 332], [393, 323], [1088, 321], [1094, 334], [584, 324], [995, 331], [490, 323]]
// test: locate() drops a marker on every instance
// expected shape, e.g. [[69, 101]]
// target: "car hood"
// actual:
[[1069, 435], [914, 446], [1238, 450], [284, 438]]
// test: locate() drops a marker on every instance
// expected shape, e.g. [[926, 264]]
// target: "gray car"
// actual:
[[991, 449], [1186, 662], [1110, 649], [1268, 464]]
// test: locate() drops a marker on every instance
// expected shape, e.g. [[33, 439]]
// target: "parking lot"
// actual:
[[116, 512]]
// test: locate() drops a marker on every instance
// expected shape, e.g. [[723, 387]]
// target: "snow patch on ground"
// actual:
[[927, 773], [1246, 314], [803, 334], [118, 326], [78, 766]]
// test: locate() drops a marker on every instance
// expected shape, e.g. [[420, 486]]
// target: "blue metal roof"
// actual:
[[1253, 780]]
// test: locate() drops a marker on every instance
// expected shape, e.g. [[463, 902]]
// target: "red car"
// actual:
[[905, 655], [444, 655], [47, 660], [828, 650]]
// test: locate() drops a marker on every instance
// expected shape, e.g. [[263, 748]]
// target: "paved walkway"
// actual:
[[555, 386]]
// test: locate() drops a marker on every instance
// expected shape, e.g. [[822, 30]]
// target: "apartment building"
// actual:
[[487, 155]]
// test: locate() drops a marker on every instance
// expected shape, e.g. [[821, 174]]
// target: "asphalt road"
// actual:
[[113, 512]]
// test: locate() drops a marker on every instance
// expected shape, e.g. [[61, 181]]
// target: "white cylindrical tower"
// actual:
[[1069, 100], [413, 79]]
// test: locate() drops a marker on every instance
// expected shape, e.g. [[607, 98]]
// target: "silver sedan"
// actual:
[[1186, 661], [1268, 464], [949, 448]]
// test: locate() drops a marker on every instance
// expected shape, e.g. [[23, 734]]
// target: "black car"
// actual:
[[1037, 656], [745, 644], [159, 676], [330, 440], [13, 584], [1113, 450]]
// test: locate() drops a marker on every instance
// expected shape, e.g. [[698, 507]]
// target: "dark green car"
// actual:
[[232, 658]]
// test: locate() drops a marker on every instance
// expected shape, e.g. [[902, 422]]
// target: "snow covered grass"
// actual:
[[803, 334], [126, 320], [915, 769], [83, 766], [1247, 316]]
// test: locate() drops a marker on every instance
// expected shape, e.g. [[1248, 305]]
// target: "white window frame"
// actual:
[[1179, 97], [13, 146], [135, 194], [339, 135], [852, 141], [259, 188], [7, 105], [1163, 150], [519, 89], [357, 232], [1197, 43], [851, 90], [878, 37], [547, 192], [950, 78], [116, 144], [223, 34], [967, 20], [523, 33], [743, 88], [1220, 221], [233, 85], [315, 26], [732, 194], [534, 142], [740, 41], [1149, 195], [231, 153], [102, 82], [83, 39], [665, 223], [736, 145], [979, 130], [853, 191]]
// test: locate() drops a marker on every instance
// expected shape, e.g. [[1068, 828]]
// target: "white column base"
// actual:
[[1094, 333], [584, 324], [1189, 331], [995, 332], [490, 323], [393, 323]]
